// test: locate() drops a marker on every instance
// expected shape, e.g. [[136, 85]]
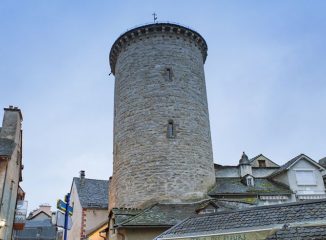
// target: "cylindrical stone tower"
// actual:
[[162, 141]]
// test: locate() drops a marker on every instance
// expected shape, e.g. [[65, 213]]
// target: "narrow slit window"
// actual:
[[169, 74], [171, 129]]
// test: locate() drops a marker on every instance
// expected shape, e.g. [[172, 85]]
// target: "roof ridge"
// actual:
[[291, 162], [308, 202], [94, 179], [252, 159]]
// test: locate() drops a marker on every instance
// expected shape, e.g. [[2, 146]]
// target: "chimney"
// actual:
[[82, 176], [11, 125]]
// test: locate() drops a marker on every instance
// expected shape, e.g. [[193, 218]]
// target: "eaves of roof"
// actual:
[[293, 161]]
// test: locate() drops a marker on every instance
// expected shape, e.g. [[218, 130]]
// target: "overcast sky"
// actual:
[[265, 76]]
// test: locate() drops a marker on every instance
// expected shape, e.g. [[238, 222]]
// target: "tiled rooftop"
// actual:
[[300, 233], [253, 218], [234, 186], [167, 214], [92, 193]]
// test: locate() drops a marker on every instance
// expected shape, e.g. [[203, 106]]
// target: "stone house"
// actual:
[[89, 199], [10, 168]]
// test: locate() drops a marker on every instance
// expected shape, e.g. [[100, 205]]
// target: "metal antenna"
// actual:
[[155, 17]]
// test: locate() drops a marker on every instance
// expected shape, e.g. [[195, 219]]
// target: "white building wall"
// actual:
[[227, 172], [303, 164], [94, 217], [75, 232]]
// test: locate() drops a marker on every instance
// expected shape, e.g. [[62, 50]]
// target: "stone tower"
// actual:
[[162, 141]]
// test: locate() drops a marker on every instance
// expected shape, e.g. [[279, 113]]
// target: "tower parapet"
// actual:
[[137, 34]]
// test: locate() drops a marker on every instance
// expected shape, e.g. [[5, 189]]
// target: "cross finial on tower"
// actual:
[[155, 17]]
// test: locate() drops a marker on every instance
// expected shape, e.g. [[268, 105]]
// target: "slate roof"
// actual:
[[300, 233], [92, 193], [234, 186], [32, 215], [122, 214], [7, 147], [168, 214], [286, 166], [255, 218], [38, 223], [32, 228]]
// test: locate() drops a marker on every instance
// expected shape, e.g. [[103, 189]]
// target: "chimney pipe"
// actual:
[[82, 174]]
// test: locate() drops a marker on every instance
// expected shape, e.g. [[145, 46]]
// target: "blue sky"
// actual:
[[265, 76]]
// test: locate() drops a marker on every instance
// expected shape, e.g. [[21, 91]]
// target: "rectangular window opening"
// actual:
[[262, 163], [171, 129], [305, 177], [169, 73]]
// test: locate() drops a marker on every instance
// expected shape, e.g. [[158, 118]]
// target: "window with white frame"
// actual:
[[208, 210], [250, 181], [305, 177]]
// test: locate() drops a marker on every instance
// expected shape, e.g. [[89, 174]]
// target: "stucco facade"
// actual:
[[76, 230], [94, 217]]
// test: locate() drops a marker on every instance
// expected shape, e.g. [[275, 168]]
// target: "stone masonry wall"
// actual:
[[159, 78]]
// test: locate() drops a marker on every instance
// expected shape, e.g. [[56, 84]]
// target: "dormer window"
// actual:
[[209, 207], [250, 181], [261, 163], [208, 210]]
